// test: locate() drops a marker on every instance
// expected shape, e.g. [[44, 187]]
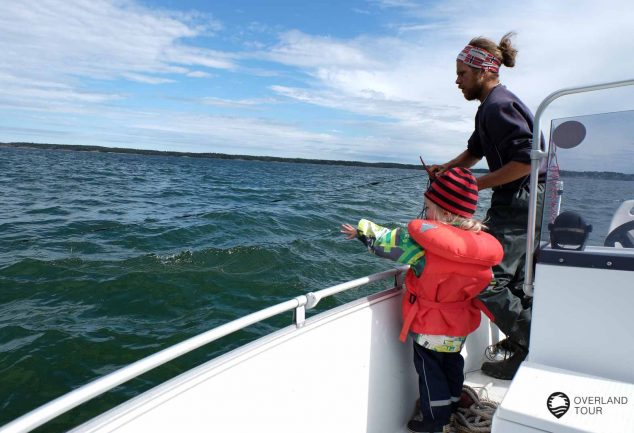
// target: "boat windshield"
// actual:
[[591, 172]]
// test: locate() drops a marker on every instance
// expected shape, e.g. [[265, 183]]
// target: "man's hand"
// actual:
[[436, 169], [465, 159]]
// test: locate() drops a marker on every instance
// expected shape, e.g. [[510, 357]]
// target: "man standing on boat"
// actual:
[[503, 135]]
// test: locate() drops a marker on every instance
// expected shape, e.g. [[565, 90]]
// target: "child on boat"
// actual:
[[450, 260]]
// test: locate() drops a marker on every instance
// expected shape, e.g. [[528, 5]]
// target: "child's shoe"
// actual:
[[419, 425]]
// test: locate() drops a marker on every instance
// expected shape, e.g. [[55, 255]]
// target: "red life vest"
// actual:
[[441, 301]]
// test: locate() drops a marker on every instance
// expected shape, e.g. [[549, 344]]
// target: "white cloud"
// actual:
[[197, 56], [20, 92], [237, 135], [371, 103], [99, 38], [406, 4], [259, 136], [66, 42], [198, 74], [237, 103], [145, 78], [398, 87], [410, 79], [299, 49]]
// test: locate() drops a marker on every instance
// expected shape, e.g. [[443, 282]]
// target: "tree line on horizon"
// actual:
[[213, 155]]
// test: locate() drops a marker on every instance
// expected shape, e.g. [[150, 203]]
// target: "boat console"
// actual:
[[578, 375]]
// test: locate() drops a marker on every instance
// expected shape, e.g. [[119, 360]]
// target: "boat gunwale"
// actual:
[[97, 387], [195, 376]]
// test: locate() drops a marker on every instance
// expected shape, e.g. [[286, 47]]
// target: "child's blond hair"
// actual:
[[444, 216]]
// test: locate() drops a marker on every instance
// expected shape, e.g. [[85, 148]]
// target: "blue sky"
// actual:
[[369, 80]]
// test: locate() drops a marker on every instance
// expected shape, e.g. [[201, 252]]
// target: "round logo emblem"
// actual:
[[558, 404]]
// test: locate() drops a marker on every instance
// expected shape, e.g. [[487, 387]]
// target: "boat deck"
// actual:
[[488, 388]]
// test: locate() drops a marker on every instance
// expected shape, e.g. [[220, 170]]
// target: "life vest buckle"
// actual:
[[412, 298]]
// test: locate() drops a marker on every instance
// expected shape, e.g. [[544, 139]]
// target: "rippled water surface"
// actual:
[[106, 258]]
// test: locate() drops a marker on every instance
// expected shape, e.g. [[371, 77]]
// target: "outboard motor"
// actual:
[[569, 231]]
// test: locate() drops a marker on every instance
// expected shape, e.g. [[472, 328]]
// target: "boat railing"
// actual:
[[299, 304]]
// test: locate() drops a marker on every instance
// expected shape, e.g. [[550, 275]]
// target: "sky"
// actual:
[[365, 80]]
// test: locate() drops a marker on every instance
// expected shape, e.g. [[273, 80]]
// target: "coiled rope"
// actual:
[[477, 417]]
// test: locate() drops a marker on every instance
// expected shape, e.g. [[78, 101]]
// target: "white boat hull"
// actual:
[[345, 370]]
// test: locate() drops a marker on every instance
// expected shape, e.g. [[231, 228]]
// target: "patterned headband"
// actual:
[[479, 58]]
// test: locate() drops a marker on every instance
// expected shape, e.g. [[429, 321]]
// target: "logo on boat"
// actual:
[[558, 404]]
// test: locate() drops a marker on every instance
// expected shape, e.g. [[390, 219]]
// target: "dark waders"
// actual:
[[507, 220]]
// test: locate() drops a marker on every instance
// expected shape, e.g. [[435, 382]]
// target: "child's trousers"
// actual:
[[440, 379]]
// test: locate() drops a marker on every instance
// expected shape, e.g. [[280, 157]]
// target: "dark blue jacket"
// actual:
[[503, 133]]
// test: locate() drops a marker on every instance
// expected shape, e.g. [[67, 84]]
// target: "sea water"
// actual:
[[106, 258]]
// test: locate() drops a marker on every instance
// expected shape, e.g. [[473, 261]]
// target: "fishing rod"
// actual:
[[331, 192], [429, 173], [430, 176], [272, 201]]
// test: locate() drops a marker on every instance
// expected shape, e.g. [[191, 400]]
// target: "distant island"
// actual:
[[81, 148]]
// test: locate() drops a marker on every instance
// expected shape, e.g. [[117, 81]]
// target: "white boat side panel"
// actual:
[[346, 371], [525, 403], [583, 321]]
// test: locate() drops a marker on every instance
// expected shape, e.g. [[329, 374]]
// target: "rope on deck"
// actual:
[[477, 416]]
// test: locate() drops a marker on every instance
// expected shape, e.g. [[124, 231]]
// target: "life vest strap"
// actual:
[[407, 323], [445, 305], [478, 303], [411, 314]]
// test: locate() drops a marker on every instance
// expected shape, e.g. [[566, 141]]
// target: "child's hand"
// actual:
[[349, 231]]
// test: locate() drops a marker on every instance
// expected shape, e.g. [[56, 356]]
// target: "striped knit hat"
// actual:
[[456, 191]]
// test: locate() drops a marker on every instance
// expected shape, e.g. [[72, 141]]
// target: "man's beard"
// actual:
[[471, 95]]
